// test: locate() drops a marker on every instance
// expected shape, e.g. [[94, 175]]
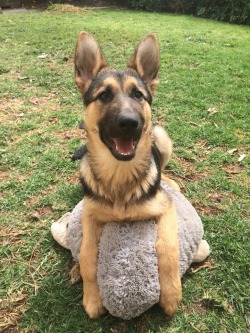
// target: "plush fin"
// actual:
[[59, 230]]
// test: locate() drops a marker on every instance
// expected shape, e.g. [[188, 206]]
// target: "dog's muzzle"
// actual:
[[121, 135]]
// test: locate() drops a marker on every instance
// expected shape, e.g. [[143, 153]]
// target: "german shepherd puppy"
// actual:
[[121, 168]]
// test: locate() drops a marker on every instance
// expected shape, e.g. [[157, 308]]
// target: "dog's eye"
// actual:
[[105, 96], [138, 95]]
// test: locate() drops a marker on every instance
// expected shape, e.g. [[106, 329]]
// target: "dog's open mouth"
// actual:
[[121, 134], [122, 149], [125, 146]]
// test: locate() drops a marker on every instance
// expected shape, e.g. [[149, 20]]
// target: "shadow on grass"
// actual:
[[57, 307]]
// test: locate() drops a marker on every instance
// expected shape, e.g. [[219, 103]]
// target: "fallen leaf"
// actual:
[[35, 216], [42, 56], [34, 100], [241, 157], [212, 110], [193, 123], [44, 211], [234, 170], [215, 197], [197, 267], [75, 275], [228, 307], [53, 120], [68, 135], [232, 151], [22, 78]]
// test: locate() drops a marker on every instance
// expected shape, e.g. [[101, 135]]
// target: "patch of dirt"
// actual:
[[189, 172], [11, 109], [23, 5], [72, 133], [15, 109], [221, 198], [61, 136], [50, 102], [11, 329], [207, 210], [10, 235], [236, 174], [196, 267], [73, 178], [65, 8], [7, 175], [202, 148], [4, 175], [11, 310], [197, 307], [34, 200], [39, 213], [233, 169]]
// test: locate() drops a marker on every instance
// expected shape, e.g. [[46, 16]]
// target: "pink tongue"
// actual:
[[124, 146]]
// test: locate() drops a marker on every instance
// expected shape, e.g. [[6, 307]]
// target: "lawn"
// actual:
[[202, 100]]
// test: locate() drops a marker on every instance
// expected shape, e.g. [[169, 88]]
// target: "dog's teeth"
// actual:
[[125, 154], [119, 152]]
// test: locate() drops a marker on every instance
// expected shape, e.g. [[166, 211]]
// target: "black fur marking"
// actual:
[[82, 125], [87, 191], [153, 188], [157, 158], [119, 76], [79, 153]]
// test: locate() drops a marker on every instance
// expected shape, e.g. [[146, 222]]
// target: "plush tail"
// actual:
[[203, 251]]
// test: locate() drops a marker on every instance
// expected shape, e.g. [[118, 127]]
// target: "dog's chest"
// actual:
[[126, 183]]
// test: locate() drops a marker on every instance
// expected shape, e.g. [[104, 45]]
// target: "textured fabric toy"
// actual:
[[127, 264]]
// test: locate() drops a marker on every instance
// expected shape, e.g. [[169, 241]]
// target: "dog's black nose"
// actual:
[[128, 123]]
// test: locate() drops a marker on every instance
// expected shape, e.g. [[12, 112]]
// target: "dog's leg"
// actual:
[[167, 247], [92, 302]]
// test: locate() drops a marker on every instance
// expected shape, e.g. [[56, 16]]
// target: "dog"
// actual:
[[120, 169]]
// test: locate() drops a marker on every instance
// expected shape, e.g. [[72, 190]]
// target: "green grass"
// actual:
[[203, 101]]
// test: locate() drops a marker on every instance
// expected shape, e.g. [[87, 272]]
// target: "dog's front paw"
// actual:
[[170, 300], [94, 307]]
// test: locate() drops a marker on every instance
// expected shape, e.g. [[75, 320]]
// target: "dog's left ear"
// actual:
[[146, 61]]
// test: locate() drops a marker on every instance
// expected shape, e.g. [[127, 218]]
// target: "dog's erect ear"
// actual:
[[89, 60], [146, 61]]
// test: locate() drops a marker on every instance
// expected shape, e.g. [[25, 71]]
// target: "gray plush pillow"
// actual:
[[127, 264]]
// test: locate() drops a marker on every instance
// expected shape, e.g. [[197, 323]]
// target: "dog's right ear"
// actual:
[[89, 60]]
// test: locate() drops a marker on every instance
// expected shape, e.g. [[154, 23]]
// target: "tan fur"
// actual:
[[120, 183], [163, 143], [170, 182]]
